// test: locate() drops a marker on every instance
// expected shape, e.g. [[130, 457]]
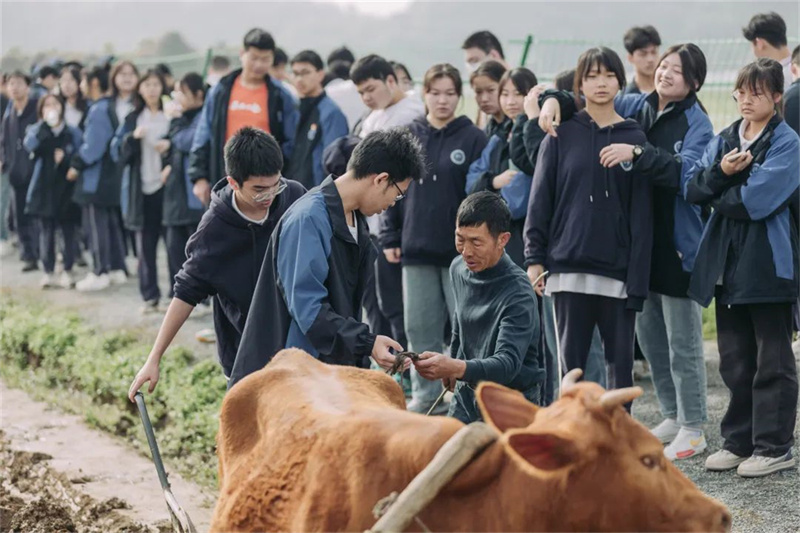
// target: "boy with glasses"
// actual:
[[224, 256]]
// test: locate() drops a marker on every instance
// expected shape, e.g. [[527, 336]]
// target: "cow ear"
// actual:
[[545, 451], [504, 408]]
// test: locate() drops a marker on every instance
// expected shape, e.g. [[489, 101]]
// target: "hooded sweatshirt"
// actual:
[[588, 219], [423, 224], [224, 258]]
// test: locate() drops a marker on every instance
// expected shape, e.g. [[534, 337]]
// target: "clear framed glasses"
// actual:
[[739, 95], [270, 193]]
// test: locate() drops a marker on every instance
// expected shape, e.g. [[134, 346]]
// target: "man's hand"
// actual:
[[535, 277], [58, 155], [202, 190], [433, 366], [162, 146], [382, 355], [734, 162], [148, 372], [531, 102], [393, 255], [614, 154], [550, 117], [502, 180], [449, 383], [72, 174]]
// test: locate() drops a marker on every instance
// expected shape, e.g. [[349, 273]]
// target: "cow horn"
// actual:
[[613, 398], [570, 379]]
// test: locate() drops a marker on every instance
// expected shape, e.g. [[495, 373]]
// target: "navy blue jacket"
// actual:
[[585, 218], [321, 123], [791, 106], [100, 181], [223, 258], [675, 141], [16, 159], [423, 224], [495, 159], [751, 239], [181, 206], [311, 286], [206, 160], [49, 193]]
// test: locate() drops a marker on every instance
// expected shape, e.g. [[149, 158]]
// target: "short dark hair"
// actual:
[[565, 80], [523, 79], [339, 69], [399, 66], [260, 39], [43, 99], [761, 72], [341, 54], [220, 63], [640, 37], [371, 67], [768, 26], [163, 69], [491, 69], [485, 40], [310, 57], [280, 57], [194, 82], [484, 207], [595, 58], [20, 75], [101, 75], [252, 152], [796, 55], [47, 71], [72, 65], [395, 151]]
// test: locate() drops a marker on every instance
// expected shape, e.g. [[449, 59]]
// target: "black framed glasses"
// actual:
[[400, 193]]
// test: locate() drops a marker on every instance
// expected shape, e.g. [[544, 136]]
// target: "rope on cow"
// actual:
[[399, 362], [383, 505]]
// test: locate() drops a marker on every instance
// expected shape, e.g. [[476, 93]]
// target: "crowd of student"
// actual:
[[616, 198]]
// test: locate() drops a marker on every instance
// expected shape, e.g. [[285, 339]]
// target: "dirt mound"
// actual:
[[42, 515]]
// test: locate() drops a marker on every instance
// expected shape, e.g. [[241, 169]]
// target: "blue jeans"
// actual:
[[429, 301], [595, 364], [670, 332], [464, 405]]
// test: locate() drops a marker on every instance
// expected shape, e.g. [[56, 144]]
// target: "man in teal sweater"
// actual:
[[496, 334]]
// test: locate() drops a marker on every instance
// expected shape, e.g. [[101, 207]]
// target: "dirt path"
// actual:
[[57, 474]]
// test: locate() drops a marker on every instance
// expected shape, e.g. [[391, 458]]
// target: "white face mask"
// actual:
[[213, 79], [52, 118]]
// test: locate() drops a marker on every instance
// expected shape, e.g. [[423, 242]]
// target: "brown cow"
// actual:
[[304, 446]]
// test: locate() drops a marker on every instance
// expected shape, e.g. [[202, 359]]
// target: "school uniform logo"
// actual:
[[627, 166], [458, 157], [678, 146]]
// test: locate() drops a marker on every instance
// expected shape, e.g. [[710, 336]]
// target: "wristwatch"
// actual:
[[637, 152]]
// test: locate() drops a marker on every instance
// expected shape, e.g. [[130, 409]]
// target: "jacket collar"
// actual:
[[335, 208]]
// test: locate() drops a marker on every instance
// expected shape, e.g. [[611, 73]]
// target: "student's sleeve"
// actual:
[[673, 171], [513, 339], [391, 227], [98, 134], [3, 141], [641, 230], [201, 143], [303, 252], [194, 281], [478, 176], [334, 126], [35, 137], [627, 105], [516, 195], [791, 108], [540, 203], [182, 138], [291, 118], [566, 102], [517, 150], [770, 186], [706, 180], [532, 137], [124, 146]]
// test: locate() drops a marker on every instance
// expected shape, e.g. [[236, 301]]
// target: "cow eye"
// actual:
[[649, 461]]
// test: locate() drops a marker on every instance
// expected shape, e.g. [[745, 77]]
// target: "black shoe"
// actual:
[[30, 266]]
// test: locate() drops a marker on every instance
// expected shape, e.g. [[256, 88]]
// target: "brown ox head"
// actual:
[[606, 470]]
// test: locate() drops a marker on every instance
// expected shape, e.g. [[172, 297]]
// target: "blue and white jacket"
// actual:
[[100, 179]]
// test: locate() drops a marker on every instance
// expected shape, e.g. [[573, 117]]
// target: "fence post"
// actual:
[[209, 55], [525, 49]]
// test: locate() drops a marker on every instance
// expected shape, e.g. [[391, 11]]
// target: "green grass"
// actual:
[[57, 358], [709, 323]]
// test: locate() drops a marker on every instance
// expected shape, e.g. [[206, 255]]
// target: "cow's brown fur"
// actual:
[[305, 446]]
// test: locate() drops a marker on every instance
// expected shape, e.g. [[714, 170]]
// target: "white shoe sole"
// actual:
[[786, 465]]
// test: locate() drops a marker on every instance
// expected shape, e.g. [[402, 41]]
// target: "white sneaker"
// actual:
[[93, 282], [207, 336], [688, 443], [48, 281], [150, 307], [758, 465], [201, 311], [66, 281], [723, 460], [667, 430], [6, 248], [117, 277]]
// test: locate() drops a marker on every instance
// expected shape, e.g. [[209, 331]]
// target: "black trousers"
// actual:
[[147, 243], [383, 298], [576, 317], [758, 367], [106, 239], [26, 226], [176, 239], [48, 227]]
